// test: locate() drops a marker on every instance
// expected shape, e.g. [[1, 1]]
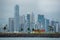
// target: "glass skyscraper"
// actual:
[[16, 27], [41, 22], [46, 25]]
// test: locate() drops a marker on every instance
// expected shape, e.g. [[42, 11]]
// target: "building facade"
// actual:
[[53, 24], [46, 25], [32, 22], [22, 24], [16, 26], [41, 22], [11, 24], [28, 23], [57, 26]]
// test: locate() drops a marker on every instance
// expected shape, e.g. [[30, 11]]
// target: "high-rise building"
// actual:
[[41, 22], [53, 24], [57, 26], [22, 23], [36, 26], [32, 22], [1, 29], [11, 24], [28, 23], [46, 25], [16, 26]]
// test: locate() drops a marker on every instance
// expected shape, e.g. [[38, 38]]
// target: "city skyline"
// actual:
[[48, 8], [29, 19], [27, 23]]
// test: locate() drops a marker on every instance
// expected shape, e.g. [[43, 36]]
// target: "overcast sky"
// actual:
[[49, 8]]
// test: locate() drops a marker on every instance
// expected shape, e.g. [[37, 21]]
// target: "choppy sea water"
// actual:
[[27, 38]]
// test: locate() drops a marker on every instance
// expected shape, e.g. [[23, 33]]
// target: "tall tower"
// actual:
[[16, 28], [32, 22], [28, 22], [46, 25]]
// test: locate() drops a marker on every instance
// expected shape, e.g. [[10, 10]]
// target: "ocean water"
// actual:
[[27, 38]]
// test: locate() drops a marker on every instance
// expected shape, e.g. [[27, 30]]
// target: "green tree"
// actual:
[[21, 29], [33, 29], [28, 30], [5, 27]]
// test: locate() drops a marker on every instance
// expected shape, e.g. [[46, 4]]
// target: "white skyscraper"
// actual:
[[22, 23], [32, 21], [11, 24], [57, 26]]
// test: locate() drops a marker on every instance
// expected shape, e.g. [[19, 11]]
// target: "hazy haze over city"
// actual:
[[49, 8]]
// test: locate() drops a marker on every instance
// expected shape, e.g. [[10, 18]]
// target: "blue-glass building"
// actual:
[[28, 19], [41, 22], [28, 23], [46, 25], [16, 27]]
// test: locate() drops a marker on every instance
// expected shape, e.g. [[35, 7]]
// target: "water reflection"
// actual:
[[33, 38]]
